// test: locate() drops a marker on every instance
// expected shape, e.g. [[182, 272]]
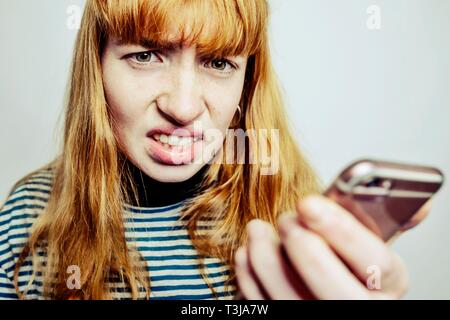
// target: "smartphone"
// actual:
[[384, 195]]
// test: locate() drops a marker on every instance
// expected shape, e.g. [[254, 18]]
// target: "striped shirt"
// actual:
[[158, 234]]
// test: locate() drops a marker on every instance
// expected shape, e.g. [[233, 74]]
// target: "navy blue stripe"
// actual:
[[155, 278], [167, 248], [34, 283], [30, 293], [195, 296], [7, 285], [146, 258], [155, 210], [183, 267], [187, 286], [34, 292], [173, 287], [6, 260], [15, 236], [24, 206], [39, 184], [5, 251], [25, 264], [17, 217], [153, 219], [156, 229], [48, 178], [188, 276], [148, 268], [17, 245], [31, 190], [167, 238], [126, 289], [152, 278], [24, 236], [15, 256], [4, 295], [29, 273], [172, 257], [14, 227], [11, 201]]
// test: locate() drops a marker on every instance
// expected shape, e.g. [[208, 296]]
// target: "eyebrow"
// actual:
[[151, 44], [166, 45]]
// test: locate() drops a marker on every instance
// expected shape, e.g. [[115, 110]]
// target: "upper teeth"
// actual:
[[175, 140]]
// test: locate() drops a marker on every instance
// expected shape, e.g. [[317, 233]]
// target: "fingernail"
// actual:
[[257, 229]]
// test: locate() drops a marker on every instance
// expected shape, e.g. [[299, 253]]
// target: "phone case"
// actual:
[[384, 195]]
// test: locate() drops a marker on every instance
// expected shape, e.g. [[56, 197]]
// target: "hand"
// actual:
[[321, 251]]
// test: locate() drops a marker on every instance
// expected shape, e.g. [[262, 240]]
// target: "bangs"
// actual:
[[217, 27]]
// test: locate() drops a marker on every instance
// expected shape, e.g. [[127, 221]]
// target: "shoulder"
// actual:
[[26, 201]]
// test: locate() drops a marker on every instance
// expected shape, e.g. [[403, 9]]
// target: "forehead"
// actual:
[[215, 27]]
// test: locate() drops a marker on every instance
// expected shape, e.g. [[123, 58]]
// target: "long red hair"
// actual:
[[88, 193]]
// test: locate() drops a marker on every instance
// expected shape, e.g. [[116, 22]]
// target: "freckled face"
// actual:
[[152, 92]]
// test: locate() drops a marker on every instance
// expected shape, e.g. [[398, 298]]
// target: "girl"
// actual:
[[146, 198]]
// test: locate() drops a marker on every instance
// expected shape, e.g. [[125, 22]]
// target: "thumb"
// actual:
[[418, 217]]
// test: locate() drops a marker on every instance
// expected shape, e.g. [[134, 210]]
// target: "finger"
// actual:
[[323, 272], [268, 264], [360, 248], [413, 222], [246, 282]]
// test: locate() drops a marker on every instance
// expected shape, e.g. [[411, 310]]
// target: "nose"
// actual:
[[183, 101]]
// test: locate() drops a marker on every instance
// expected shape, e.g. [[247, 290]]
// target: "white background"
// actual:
[[351, 93]]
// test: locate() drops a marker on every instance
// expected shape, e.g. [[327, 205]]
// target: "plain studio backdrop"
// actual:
[[361, 78]]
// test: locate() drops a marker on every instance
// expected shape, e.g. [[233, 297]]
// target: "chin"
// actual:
[[171, 173]]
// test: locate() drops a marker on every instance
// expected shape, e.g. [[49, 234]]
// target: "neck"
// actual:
[[154, 193]]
